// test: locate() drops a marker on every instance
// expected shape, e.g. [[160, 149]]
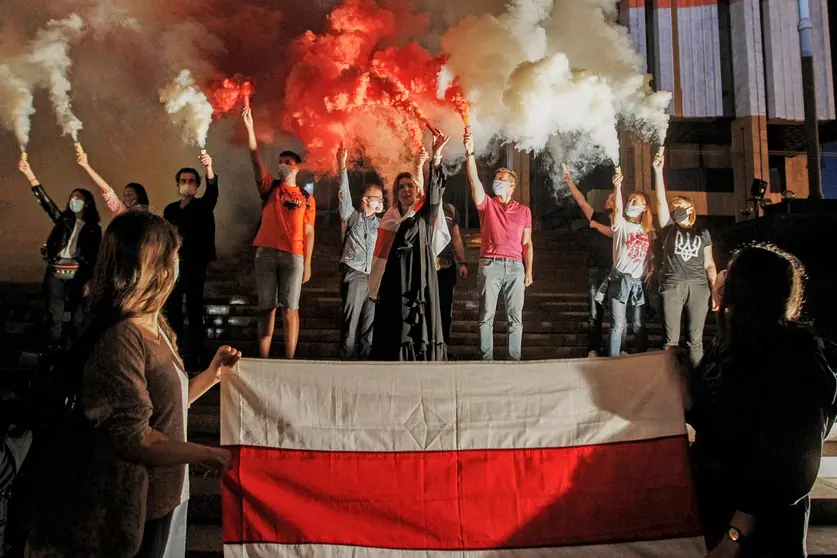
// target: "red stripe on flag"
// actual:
[[384, 243], [468, 500]]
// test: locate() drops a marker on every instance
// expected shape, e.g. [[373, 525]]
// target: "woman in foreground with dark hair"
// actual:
[[70, 253], [762, 402], [118, 469]]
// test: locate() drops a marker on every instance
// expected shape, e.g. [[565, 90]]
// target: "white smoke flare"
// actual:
[[188, 106], [16, 105], [546, 71], [446, 78], [50, 53]]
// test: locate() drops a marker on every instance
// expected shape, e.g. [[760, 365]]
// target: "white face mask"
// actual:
[[76, 206], [183, 189], [634, 210], [376, 205], [176, 269], [501, 187]]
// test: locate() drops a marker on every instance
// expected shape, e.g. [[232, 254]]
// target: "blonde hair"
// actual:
[[135, 272], [647, 218], [508, 172], [686, 200]]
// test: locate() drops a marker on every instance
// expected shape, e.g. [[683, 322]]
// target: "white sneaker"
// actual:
[[592, 354], [623, 353]]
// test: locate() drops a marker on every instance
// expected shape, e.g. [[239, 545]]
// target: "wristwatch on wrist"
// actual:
[[735, 535]]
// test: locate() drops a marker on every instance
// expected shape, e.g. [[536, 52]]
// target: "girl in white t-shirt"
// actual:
[[632, 229]]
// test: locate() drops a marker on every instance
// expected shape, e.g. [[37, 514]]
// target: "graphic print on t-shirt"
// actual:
[[688, 246], [638, 244]]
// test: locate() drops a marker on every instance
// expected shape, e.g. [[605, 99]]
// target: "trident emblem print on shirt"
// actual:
[[687, 246]]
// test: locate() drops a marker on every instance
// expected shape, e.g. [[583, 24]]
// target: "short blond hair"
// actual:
[[508, 172]]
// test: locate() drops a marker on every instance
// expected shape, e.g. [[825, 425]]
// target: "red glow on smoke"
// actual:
[[346, 86], [227, 93]]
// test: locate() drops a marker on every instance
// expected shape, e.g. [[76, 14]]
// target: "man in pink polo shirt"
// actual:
[[506, 254]]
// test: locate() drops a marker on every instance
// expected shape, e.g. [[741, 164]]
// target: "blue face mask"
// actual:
[[501, 187], [76, 206], [634, 210], [309, 187]]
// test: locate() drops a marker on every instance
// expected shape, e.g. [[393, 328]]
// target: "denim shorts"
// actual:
[[278, 278]]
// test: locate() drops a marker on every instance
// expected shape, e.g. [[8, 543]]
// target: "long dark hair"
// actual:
[[142, 195], [763, 289], [90, 215]]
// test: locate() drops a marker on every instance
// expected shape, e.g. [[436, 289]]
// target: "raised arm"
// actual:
[[40, 194], [110, 196], [663, 213], [344, 194], [436, 188], [210, 196], [579, 198], [618, 202], [420, 161], [263, 178], [477, 190]]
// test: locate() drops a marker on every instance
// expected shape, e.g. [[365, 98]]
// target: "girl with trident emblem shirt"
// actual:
[[687, 272]]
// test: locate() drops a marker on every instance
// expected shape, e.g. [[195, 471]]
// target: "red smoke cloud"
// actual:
[[229, 93], [350, 85]]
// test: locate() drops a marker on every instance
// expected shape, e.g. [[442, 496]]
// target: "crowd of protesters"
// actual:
[[123, 486]]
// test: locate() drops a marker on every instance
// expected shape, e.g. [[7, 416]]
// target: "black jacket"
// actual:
[[760, 414], [89, 238], [196, 225], [13, 449]]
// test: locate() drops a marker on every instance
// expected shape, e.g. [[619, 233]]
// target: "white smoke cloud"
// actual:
[[546, 72], [16, 105], [49, 53], [189, 107]]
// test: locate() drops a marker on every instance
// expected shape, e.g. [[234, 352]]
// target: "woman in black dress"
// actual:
[[763, 400], [408, 322]]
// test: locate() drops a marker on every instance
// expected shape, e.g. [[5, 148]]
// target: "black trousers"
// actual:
[[447, 286], [63, 295], [155, 535], [190, 284], [595, 278], [358, 316]]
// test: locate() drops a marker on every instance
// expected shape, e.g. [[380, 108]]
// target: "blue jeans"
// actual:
[[507, 277]]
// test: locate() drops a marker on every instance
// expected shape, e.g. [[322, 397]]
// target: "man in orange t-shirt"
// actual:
[[285, 243]]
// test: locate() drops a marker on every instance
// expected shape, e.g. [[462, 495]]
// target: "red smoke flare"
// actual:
[[227, 93], [347, 87]]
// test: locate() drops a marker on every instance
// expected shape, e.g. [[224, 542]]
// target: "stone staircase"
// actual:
[[555, 323]]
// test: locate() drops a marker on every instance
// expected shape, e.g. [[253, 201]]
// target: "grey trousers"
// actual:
[[694, 299], [358, 316], [507, 278]]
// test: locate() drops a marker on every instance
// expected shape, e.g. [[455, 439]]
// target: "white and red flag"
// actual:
[[466, 460]]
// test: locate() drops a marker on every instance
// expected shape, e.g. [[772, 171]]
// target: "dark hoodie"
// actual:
[[761, 412]]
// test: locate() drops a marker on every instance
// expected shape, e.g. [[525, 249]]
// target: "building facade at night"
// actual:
[[734, 68]]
